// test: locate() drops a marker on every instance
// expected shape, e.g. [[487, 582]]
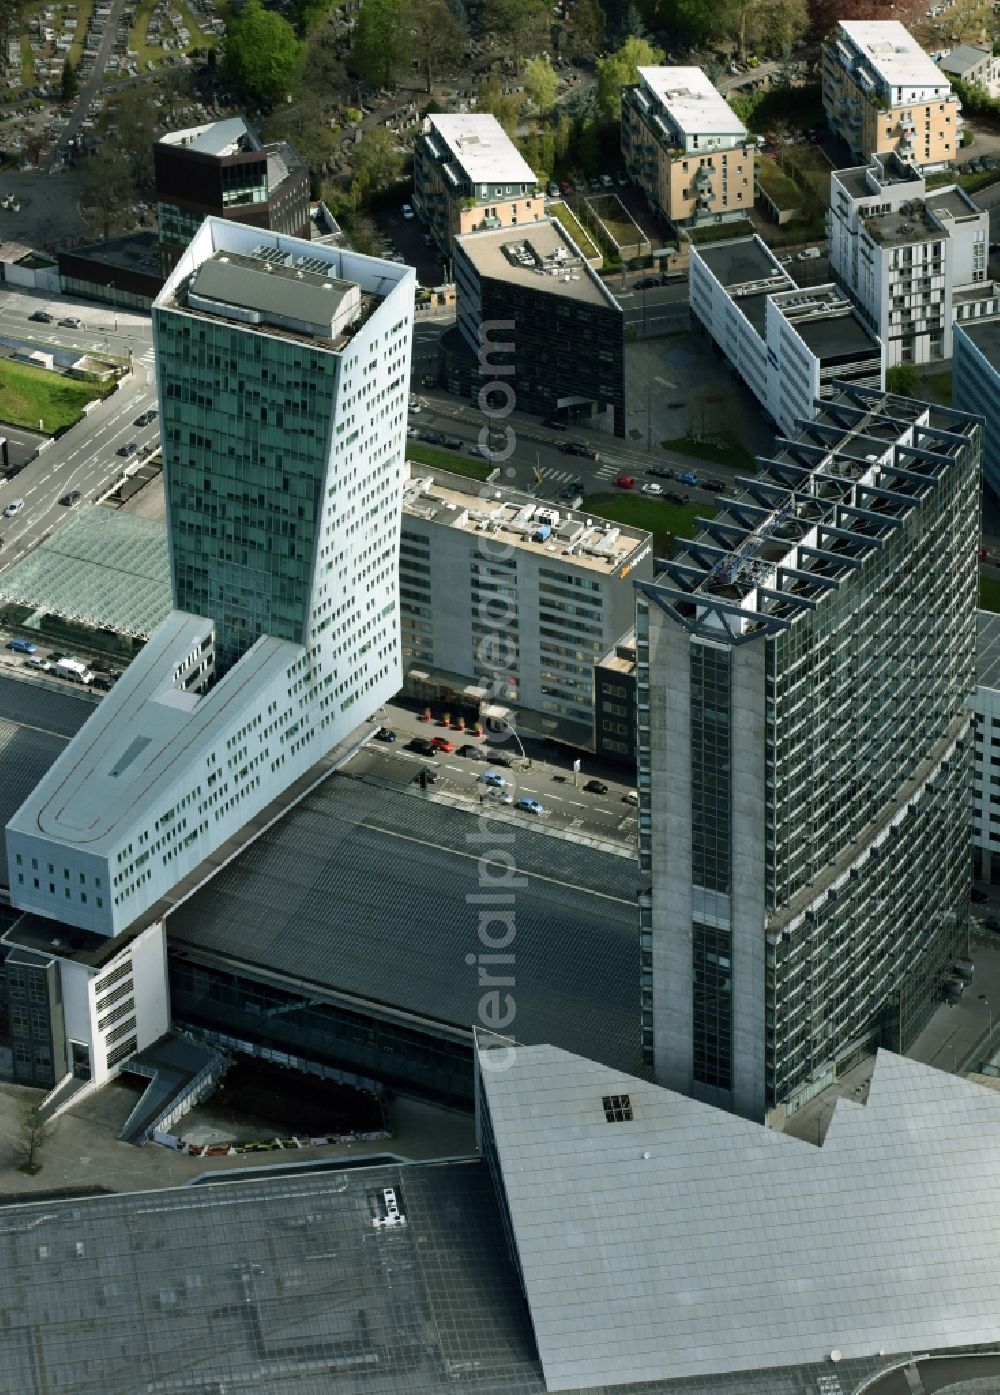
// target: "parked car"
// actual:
[[72, 498], [630, 797], [15, 506], [596, 787], [407, 212], [553, 190], [964, 968], [71, 322], [500, 758], [434, 438], [452, 442], [554, 424], [414, 405], [494, 778], [441, 743], [646, 283], [972, 167], [572, 491], [595, 184], [128, 449], [622, 179], [979, 897], [422, 746], [472, 752], [652, 489], [716, 486], [22, 646], [39, 663], [624, 482], [385, 734], [992, 923], [529, 806], [662, 472], [988, 163], [607, 182], [687, 478], [41, 317], [479, 451], [676, 497]]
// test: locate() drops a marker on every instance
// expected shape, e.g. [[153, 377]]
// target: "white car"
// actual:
[[408, 213], [652, 489], [414, 405], [15, 506]]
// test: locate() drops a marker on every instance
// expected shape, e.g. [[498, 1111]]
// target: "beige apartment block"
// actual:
[[884, 95], [685, 148], [469, 176]]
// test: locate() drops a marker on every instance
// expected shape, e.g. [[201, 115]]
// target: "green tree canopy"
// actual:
[[621, 69], [541, 83], [438, 37], [263, 57], [377, 163], [381, 44], [517, 21]]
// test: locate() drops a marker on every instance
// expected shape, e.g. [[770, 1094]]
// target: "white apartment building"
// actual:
[[512, 600], [913, 261], [788, 343], [282, 371]]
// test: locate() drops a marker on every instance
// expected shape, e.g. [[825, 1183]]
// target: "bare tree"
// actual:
[[35, 1129]]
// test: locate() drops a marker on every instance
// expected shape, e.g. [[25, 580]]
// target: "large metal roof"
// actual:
[[658, 1236], [377, 893], [100, 568]]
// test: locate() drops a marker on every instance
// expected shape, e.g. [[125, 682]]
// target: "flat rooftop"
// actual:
[[888, 170], [695, 106], [482, 149], [952, 202], [301, 903], [541, 256], [898, 229], [219, 138], [136, 252], [743, 261], [893, 53], [541, 529], [835, 337], [985, 335]]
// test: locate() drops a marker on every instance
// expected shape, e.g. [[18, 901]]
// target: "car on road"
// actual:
[[646, 283], [716, 486], [595, 184], [414, 405], [622, 179], [15, 506], [596, 787], [41, 317], [22, 646], [479, 451], [554, 424], [472, 752], [572, 491], [529, 806], [652, 489], [964, 968], [662, 472], [991, 923], [144, 418], [433, 438], [989, 163], [407, 212], [452, 442], [578, 448], [441, 743], [631, 797], [385, 734], [71, 322], [71, 499], [674, 496], [687, 478], [624, 482], [553, 190], [414, 433], [128, 449], [43, 665], [979, 897], [607, 182], [422, 746], [500, 758], [494, 778]]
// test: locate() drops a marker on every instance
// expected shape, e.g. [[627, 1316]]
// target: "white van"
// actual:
[[74, 670]]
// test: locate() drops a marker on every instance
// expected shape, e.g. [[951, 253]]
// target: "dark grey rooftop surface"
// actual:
[[951, 200], [835, 338], [138, 251], [985, 334], [35, 724], [733, 263], [371, 891], [285, 1285], [276, 290]]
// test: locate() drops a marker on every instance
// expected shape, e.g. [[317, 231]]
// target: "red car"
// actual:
[[624, 482], [441, 743]]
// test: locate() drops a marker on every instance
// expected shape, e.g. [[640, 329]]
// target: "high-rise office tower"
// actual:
[[805, 756], [282, 371]]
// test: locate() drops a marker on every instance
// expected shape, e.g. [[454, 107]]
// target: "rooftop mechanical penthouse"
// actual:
[[805, 756]]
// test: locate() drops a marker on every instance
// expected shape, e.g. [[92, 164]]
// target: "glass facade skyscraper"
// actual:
[[805, 756]]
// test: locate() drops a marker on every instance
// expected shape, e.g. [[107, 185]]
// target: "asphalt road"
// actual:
[[85, 458]]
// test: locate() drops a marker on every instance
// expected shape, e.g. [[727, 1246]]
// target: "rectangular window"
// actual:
[[712, 1027]]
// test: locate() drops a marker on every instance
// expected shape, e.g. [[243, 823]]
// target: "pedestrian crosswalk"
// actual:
[[609, 470], [149, 356]]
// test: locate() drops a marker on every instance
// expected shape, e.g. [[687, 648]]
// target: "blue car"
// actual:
[[529, 806], [687, 479], [494, 778], [22, 646]]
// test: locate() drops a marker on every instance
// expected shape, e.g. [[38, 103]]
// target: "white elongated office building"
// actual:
[[282, 371]]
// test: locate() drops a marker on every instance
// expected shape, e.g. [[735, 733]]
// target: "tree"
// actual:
[[632, 25], [967, 21], [902, 379], [589, 27], [493, 100], [380, 48], [136, 122], [621, 69], [35, 1129], [106, 189], [541, 83], [826, 14], [68, 83], [517, 21], [377, 162], [438, 37], [263, 58]]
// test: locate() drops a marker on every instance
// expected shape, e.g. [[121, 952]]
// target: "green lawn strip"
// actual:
[[727, 452], [664, 520], [448, 460], [582, 239], [29, 395], [720, 232], [940, 386], [776, 184], [989, 593], [84, 9], [27, 62]]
